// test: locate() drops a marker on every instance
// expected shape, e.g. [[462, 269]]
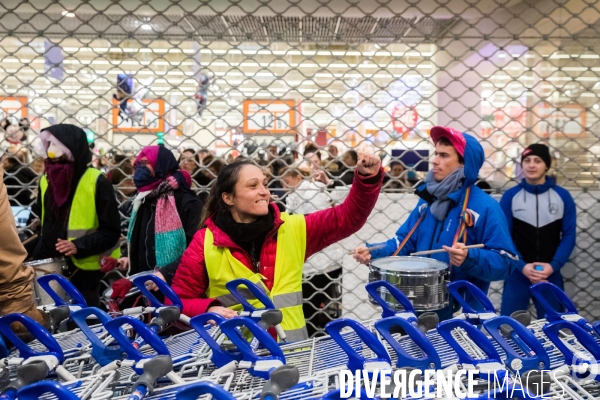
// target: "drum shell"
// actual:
[[46, 267], [426, 290]]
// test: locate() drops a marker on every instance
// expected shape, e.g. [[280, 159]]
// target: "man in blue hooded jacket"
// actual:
[[439, 218], [542, 219]]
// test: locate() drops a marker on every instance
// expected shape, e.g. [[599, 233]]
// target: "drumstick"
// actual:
[[422, 253], [30, 239], [381, 246]]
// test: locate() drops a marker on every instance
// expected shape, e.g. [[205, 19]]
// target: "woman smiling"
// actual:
[[243, 235]]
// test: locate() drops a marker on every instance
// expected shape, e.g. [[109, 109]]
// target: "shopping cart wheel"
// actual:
[[281, 380]]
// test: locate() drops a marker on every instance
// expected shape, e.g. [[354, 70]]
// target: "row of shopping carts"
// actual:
[[128, 356]]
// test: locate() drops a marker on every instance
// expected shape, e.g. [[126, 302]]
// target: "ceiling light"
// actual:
[[68, 14], [146, 27], [596, 106]]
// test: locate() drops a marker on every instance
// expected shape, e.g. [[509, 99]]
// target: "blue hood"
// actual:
[[474, 158], [538, 189]]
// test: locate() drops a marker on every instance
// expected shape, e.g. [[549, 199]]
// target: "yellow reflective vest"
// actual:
[[83, 218], [286, 293]]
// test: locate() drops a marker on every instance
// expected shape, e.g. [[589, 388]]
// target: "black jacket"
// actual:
[[55, 225], [142, 255]]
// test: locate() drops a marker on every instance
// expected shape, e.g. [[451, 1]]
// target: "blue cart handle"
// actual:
[[165, 289], [396, 294], [538, 291], [231, 329], [44, 282], [597, 328], [536, 361], [192, 392], [455, 287], [430, 360], [445, 330], [355, 360], [36, 390], [219, 356], [585, 339], [102, 353], [255, 290], [114, 328], [38, 332]]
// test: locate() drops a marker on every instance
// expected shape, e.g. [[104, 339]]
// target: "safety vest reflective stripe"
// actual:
[[228, 300], [287, 300], [77, 233], [83, 219], [295, 335], [286, 293]]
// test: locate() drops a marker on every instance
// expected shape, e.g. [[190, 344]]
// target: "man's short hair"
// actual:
[[444, 141]]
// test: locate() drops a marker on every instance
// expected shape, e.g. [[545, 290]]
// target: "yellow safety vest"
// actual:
[[286, 294], [83, 218]]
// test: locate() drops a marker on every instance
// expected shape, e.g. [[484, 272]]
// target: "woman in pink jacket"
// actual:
[[242, 235]]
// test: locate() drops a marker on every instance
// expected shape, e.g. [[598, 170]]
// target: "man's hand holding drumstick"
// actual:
[[457, 254]]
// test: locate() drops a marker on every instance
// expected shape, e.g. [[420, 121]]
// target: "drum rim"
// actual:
[[44, 261], [426, 259]]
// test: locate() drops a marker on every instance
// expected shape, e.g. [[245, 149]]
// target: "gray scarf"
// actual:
[[441, 190]]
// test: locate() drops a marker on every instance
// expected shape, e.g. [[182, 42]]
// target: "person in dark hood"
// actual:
[[542, 220], [165, 216], [451, 214], [79, 217]]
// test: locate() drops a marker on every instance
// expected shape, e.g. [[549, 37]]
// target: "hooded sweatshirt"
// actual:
[[494, 262], [55, 224], [542, 220]]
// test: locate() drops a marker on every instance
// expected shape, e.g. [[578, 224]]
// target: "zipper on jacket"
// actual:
[[441, 230], [537, 225], [433, 236]]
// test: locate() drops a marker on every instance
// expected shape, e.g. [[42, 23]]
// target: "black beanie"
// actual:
[[540, 150]]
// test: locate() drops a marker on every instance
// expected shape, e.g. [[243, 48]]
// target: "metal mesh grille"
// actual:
[[372, 76]]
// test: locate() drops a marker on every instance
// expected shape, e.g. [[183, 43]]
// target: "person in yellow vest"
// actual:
[[77, 207], [243, 235]]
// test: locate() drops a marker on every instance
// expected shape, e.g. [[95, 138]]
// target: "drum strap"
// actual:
[[466, 220], [407, 237]]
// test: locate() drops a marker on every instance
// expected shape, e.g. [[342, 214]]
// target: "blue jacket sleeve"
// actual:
[[391, 245], [499, 258], [569, 232], [506, 205]]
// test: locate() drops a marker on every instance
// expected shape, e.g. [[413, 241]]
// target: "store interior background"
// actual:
[[373, 76]]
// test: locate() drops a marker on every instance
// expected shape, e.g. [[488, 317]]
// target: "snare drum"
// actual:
[[46, 267], [422, 280]]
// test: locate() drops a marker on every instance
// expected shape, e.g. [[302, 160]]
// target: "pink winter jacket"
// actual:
[[322, 229]]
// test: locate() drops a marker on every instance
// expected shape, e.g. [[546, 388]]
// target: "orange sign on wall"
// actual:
[[149, 119], [270, 117], [13, 107]]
